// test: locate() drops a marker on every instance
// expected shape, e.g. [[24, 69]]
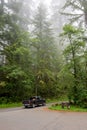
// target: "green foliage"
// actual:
[[10, 105], [72, 108], [27, 63], [30, 65], [44, 55], [82, 97], [16, 84], [73, 72]]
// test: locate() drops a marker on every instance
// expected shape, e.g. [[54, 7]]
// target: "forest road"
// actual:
[[40, 118]]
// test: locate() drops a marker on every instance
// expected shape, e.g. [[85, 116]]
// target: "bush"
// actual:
[[3, 100], [83, 99]]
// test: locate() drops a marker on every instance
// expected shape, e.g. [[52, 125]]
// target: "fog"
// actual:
[[53, 9], [33, 60]]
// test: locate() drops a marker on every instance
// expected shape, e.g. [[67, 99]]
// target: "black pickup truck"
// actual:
[[34, 101]]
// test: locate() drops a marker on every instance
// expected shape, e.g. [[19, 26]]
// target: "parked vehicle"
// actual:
[[34, 101]]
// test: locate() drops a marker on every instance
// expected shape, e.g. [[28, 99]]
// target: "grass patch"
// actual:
[[51, 100], [10, 105], [56, 100], [72, 108]]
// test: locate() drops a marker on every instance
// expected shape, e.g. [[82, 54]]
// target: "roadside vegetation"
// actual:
[[72, 109], [10, 105]]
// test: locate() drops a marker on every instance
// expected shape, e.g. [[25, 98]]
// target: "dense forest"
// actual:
[[43, 52]]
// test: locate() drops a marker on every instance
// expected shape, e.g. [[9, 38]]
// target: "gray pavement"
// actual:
[[40, 118]]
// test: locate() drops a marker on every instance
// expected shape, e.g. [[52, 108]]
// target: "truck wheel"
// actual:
[[26, 106], [43, 104], [33, 105]]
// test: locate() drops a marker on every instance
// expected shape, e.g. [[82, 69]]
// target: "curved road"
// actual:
[[40, 118]]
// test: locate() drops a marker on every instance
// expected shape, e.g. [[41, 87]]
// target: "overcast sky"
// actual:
[[47, 2]]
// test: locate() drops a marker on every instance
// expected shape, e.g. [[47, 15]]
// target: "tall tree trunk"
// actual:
[[2, 7], [84, 3], [86, 18], [74, 72]]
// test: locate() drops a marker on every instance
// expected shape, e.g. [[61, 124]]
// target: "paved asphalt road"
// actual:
[[40, 118]]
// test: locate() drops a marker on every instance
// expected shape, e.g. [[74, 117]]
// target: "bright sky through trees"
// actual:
[[47, 2]]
